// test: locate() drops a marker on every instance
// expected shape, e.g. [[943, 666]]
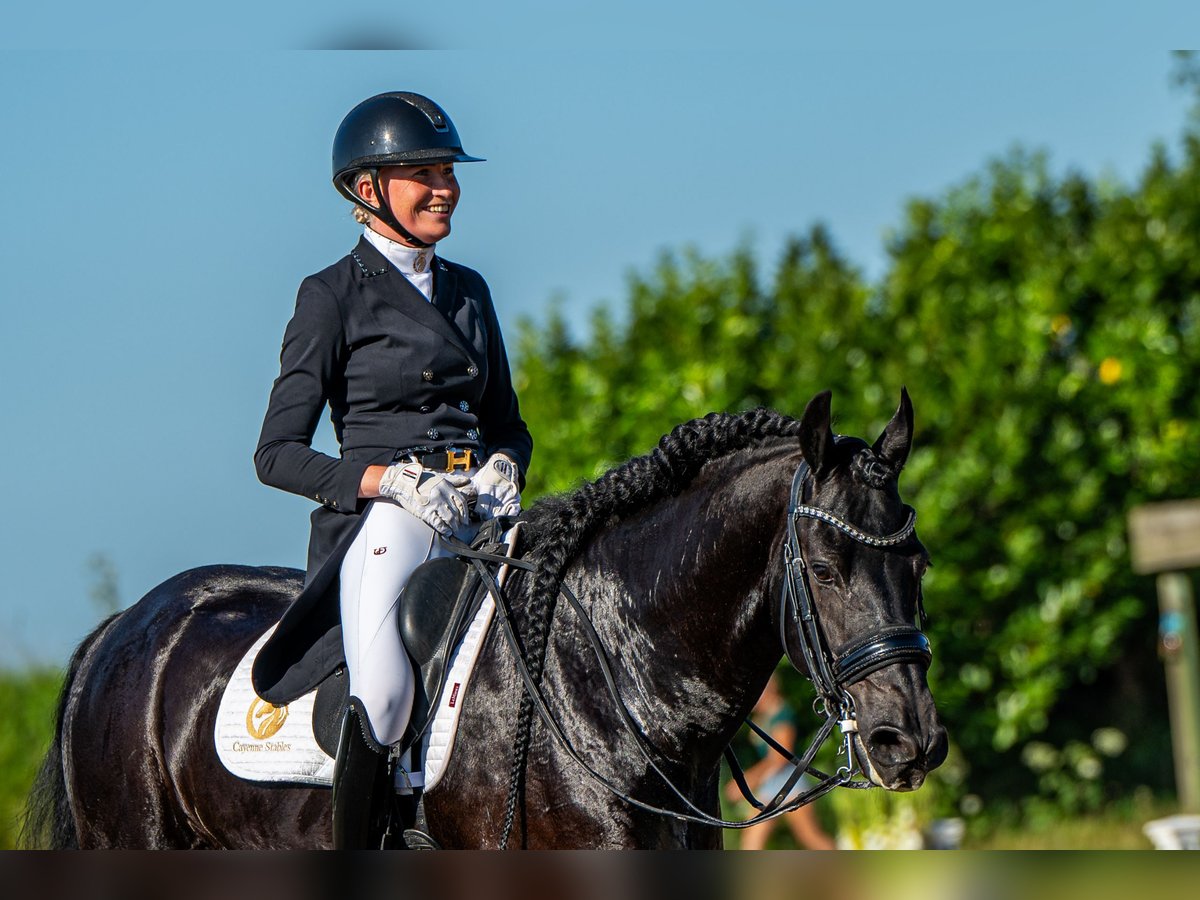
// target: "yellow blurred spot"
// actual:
[[1110, 370], [1060, 324]]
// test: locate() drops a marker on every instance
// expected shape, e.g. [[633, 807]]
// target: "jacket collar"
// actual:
[[438, 315], [371, 263]]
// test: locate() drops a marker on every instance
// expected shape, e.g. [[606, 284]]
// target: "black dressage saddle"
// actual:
[[436, 608]]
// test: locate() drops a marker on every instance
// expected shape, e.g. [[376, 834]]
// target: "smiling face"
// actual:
[[421, 197]]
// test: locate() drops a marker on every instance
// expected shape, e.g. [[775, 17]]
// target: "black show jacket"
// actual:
[[398, 372]]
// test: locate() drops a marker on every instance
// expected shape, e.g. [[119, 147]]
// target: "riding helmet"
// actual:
[[394, 129]]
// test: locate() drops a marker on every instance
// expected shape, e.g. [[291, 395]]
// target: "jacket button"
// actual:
[[464, 406], [427, 374], [433, 434], [472, 370], [426, 409], [473, 433]]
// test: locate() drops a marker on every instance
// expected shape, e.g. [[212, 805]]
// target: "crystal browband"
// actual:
[[890, 540]]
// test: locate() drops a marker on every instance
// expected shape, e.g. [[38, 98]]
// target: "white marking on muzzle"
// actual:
[[871, 773]]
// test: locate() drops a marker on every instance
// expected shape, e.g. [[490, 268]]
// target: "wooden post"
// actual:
[[1165, 539], [1178, 647]]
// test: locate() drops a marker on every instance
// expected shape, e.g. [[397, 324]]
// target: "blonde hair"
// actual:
[[361, 214]]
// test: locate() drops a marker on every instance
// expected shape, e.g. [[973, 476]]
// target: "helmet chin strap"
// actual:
[[385, 212]]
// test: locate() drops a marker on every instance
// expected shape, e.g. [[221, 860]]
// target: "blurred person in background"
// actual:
[[768, 776]]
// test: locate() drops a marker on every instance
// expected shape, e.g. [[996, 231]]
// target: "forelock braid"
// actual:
[[559, 527], [869, 469]]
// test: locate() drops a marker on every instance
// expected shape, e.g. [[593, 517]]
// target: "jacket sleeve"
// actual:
[[311, 363], [504, 430]]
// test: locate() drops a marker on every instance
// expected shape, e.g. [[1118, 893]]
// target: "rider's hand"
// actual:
[[497, 486], [440, 501]]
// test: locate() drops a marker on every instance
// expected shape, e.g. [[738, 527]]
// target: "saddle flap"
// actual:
[[427, 604], [329, 708], [435, 610]]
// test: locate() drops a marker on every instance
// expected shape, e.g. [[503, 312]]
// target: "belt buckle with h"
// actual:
[[458, 460]]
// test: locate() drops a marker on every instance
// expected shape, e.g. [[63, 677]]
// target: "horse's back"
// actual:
[[142, 705]]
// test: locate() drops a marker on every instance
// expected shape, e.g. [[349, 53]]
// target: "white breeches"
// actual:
[[389, 546]]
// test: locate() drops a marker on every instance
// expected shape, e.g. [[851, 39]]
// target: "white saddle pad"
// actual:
[[261, 742]]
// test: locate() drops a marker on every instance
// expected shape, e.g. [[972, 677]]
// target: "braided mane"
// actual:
[[559, 527]]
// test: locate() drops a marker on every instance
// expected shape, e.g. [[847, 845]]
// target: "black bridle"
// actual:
[[830, 673]]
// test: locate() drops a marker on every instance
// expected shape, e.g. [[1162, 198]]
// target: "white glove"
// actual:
[[433, 498], [496, 486]]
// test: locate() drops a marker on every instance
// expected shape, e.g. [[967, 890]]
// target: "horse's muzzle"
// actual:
[[900, 760]]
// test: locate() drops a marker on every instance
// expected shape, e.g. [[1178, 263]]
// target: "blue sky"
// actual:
[[163, 200]]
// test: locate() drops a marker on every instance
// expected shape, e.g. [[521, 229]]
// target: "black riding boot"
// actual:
[[360, 788]]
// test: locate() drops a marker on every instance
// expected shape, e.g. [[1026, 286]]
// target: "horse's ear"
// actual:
[[816, 435], [895, 442]]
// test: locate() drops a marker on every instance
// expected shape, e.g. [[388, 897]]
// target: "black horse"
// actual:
[[678, 559]]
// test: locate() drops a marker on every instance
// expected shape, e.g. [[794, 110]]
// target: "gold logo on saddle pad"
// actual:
[[263, 720]]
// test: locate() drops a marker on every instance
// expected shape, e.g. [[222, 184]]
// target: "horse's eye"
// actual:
[[822, 572]]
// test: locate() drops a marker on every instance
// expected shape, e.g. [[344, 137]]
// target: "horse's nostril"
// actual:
[[938, 747], [891, 746]]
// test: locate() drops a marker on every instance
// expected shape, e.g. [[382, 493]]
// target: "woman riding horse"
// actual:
[[405, 349], [691, 569]]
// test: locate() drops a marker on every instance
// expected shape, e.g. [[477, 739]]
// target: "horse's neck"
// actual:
[[686, 592]]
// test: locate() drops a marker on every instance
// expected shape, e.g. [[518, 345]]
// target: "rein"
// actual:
[[831, 674]]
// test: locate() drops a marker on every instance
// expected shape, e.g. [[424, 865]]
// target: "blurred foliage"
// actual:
[[103, 589], [1048, 329], [1043, 826], [28, 700]]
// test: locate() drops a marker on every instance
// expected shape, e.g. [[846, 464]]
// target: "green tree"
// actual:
[[1048, 328], [103, 591], [28, 700]]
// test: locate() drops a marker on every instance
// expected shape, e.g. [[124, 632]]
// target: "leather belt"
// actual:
[[449, 460]]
